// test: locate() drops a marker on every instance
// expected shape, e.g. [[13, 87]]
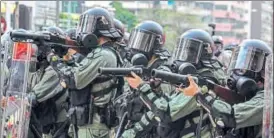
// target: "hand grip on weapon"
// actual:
[[69, 54], [192, 89], [134, 81], [204, 100]]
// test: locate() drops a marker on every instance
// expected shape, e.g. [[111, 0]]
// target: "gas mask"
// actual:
[[243, 85], [183, 68], [87, 40], [136, 58], [139, 59]]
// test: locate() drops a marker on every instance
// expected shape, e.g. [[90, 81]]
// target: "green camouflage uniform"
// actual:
[[48, 88], [181, 106], [247, 114], [84, 75], [148, 119]]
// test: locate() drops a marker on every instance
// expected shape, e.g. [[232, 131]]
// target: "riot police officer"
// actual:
[[146, 49], [218, 42], [90, 93], [225, 56], [49, 96], [71, 33], [119, 42], [194, 50], [247, 79]]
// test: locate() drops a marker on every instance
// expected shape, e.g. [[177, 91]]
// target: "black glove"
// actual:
[[53, 59]]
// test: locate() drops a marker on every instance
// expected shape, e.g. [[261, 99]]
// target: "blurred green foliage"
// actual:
[[174, 23], [124, 15]]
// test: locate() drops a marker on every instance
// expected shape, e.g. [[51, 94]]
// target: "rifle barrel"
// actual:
[[32, 36], [119, 71]]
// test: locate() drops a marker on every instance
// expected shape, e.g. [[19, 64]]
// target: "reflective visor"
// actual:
[[142, 40], [188, 50], [86, 24], [244, 58]]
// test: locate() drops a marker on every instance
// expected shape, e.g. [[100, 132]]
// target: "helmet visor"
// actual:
[[247, 58], [142, 40], [86, 24], [188, 50]]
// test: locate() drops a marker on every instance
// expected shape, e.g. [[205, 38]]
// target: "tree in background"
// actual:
[[64, 17], [174, 23], [124, 15]]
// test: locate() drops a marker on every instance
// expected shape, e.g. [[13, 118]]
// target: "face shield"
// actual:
[[246, 59], [86, 24], [144, 41], [188, 50]]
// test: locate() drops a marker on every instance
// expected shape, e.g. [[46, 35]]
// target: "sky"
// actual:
[[103, 3], [88, 3]]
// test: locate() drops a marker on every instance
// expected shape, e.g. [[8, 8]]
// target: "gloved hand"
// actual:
[[53, 59], [223, 113], [32, 99]]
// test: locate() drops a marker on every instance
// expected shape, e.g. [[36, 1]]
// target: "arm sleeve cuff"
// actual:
[[144, 87]]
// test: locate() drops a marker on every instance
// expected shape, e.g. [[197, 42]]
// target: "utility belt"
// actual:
[[83, 115], [82, 106]]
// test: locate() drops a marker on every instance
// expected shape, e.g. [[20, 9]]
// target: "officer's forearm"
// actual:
[[158, 105], [181, 105], [141, 126], [58, 89], [48, 87], [249, 113], [80, 76]]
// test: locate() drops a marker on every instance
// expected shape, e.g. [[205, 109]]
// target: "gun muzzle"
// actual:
[[171, 77]]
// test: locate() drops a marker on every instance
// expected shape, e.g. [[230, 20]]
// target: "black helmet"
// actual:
[[194, 45], [250, 55], [97, 21], [71, 33], [217, 39], [120, 27], [55, 30], [146, 37], [218, 45]]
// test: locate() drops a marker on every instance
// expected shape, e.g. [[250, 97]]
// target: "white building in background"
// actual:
[[104, 4], [261, 26], [44, 14]]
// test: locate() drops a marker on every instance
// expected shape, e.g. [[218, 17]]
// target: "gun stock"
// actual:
[[228, 95], [224, 93]]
